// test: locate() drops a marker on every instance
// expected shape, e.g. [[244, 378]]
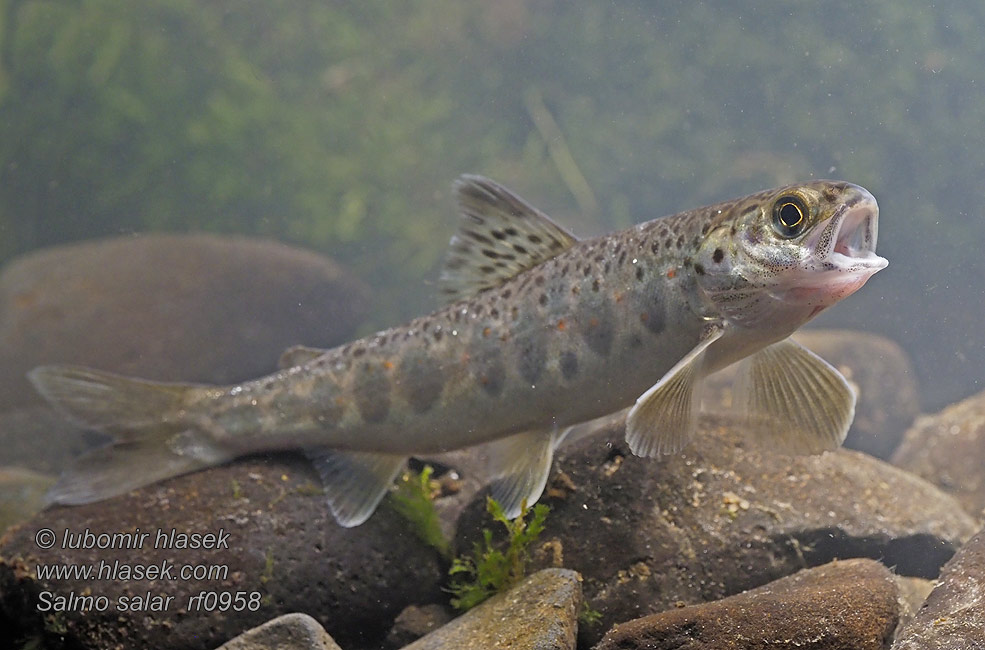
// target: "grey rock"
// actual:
[[169, 307], [540, 613], [283, 545], [913, 593], [878, 369], [948, 449], [953, 618], [725, 516], [850, 604], [21, 494], [287, 632]]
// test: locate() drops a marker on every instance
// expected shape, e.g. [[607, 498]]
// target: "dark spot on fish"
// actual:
[[564, 270], [422, 382], [479, 237], [494, 312], [437, 335], [478, 311], [595, 323], [532, 354], [687, 262], [599, 259], [718, 256], [749, 209], [639, 273], [372, 393], [569, 364], [668, 242], [680, 241], [654, 317], [490, 372], [635, 340], [519, 249], [556, 245], [511, 231], [498, 234], [490, 254], [588, 270], [699, 269], [534, 239], [605, 269], [539, 280], [358, 352], [543, 299], [622, 258], [487, 270], [507, 293], [655, 247], [595, 285]]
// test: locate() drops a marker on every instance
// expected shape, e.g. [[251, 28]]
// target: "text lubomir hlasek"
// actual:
[[159, 539]]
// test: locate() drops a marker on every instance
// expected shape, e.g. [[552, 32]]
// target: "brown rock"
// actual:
[[723, 517], [415, 622], [948, 449], [841, 605], [953, 618], [283, 553], [540, 613], [169, 307]]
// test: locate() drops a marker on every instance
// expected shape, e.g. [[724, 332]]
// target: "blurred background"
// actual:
[[339, 126]]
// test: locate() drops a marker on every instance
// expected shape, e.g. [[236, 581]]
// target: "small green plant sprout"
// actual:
[[588, 615], [413, 499], [490, 571]]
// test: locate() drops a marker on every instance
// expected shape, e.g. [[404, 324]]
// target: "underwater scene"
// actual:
[[519, 324]]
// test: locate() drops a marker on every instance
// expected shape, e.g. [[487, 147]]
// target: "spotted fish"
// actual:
[[543, 331]]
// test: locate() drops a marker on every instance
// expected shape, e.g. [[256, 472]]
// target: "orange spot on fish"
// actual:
[[620, 296], [387, 365], [485, 332], [561, 325], [644, 317], [593, 322], [671, 273]]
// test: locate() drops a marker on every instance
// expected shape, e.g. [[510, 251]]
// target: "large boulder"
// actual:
[[726, 516], [267, 546], [948, 449], [170, 307]]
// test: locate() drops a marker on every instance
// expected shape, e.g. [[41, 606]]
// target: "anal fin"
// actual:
[[355, 482], [664, 417], [796, 399], [520, 466]]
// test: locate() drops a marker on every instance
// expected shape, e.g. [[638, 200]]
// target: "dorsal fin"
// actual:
[[500, 235]]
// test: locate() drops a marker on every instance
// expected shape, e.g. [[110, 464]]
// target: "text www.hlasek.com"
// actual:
[[119, 571]]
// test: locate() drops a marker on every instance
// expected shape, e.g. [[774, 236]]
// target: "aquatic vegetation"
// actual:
[[489, 570], [413, 498]]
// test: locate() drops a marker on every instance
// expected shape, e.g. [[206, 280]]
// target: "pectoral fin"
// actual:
[[795, 398], [664, 417], [520, 466], [355, 482]]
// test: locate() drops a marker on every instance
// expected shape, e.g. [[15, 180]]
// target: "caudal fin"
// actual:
[[154, 438]]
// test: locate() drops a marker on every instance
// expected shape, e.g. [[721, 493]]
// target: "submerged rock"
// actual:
[[723, 517], [539, 613], [953, 618], [948, 449], [287, 632], [878, 369], [274, 549], [849, 604], [416, 621], [169, 307]]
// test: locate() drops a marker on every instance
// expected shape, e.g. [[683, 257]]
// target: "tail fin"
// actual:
[[155, 440]]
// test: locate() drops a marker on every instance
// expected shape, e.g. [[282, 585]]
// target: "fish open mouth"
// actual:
[[847, 244]]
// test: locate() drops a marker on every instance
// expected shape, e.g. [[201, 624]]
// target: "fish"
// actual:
[[541, 331]]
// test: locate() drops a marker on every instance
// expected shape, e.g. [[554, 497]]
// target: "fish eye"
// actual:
[[789, 216]]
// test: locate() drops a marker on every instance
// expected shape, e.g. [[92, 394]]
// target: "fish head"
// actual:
[[777, 259]]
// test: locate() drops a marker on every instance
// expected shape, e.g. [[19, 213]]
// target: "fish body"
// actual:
[[543, 331]]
